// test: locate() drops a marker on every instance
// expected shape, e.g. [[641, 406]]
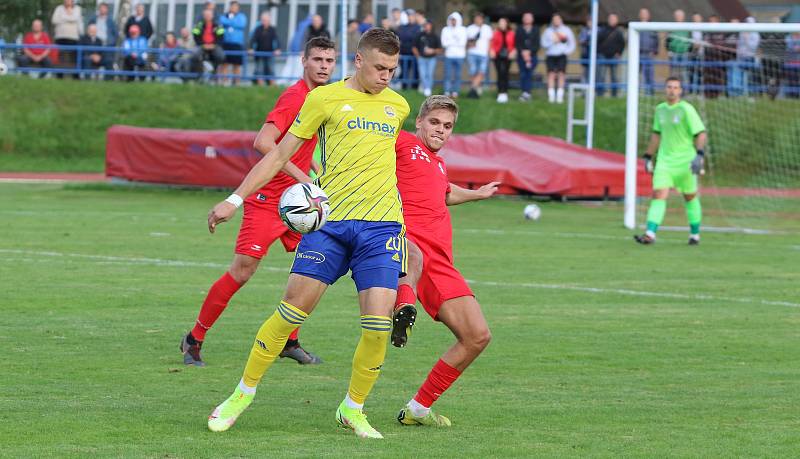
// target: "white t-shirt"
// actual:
[[482, 36]]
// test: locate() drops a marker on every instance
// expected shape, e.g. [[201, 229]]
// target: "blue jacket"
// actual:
[[234, 27], [135, 45], [111, 30]]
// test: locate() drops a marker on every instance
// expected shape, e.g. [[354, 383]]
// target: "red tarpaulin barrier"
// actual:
[[538, 165], [524, 163], [180, 157]]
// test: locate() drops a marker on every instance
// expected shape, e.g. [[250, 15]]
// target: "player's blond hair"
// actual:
[[438, 102]]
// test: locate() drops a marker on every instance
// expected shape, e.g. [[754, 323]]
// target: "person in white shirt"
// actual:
[[558, 42], [746, 49], [454, 42], [479, 35]]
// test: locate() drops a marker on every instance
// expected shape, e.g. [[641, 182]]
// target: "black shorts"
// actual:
[[556, 63], [230, 58]]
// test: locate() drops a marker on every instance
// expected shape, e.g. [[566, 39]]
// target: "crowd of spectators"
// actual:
[[730, 64]]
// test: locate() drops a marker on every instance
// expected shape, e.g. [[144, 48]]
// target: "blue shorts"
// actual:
[[375, 252], [477, 64]]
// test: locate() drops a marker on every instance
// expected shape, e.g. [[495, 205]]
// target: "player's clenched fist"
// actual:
[[222, 212]]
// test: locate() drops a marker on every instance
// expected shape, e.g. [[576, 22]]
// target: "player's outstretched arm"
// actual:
[[266, 142], [459, 195], [258, 176]]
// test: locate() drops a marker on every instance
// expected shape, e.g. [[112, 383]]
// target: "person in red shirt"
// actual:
[[443, 292], [261, 224], [34, 55], [502, 50]]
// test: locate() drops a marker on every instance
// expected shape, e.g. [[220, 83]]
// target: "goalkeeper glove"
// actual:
[[649, 165], [698, 163]]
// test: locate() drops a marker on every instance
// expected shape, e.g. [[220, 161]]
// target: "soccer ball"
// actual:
[[304, 207], [532, 212]]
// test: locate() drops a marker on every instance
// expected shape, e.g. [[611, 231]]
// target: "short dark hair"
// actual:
[[320, 43], [673, 78], [383, 40]]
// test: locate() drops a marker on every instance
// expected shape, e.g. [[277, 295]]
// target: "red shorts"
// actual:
[[261, 226], [440, 280]]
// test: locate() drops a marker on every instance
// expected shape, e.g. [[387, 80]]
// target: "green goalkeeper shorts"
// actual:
[[680, 178]]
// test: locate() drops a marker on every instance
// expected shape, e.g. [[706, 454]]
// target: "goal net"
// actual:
[[744, 82]]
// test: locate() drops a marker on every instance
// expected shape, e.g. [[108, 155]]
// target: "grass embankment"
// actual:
[[60, 125]]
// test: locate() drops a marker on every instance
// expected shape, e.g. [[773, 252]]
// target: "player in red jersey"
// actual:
[[443, 292], [261, 224]]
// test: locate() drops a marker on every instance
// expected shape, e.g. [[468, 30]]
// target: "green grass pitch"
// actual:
[[601, 347]]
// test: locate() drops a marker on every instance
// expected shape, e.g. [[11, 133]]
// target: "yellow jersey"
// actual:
[[357, 133]]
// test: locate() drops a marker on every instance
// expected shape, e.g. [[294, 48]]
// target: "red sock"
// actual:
[[441, 377], [216, 301], [293, 336], [405, 295]]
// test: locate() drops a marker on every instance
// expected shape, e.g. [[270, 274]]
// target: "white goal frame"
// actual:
[[632, 117]]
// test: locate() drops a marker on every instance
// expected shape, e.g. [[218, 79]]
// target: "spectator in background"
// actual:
[[33, 55], [454, 42], [479, 38], [648, 51], [67, 23], [367, 23], [107, 33], [353, 35], [678, 46], [733, 85], [169, 54], [610, 44], [696, 57], [141, 20], [91, 59], [235, 23], [208, 36], [421, 19], [527, 41], [558, 42], [792, 65], [265, 40], [426, 49], [746, 49], [502, 51], [135, 52], [714, 76], [407, 32], [317, 28], [585, 42], [186, 40], [396, 19]]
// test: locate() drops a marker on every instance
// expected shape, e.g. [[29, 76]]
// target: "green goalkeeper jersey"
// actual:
[[677, 125]]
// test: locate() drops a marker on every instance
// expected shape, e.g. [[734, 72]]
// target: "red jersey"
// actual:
[[282, 116], [44, 39], [422, 181]]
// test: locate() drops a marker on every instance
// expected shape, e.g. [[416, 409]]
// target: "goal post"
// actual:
[[633, 89]]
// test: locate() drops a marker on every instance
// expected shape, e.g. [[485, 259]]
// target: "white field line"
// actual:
[[105, 259]]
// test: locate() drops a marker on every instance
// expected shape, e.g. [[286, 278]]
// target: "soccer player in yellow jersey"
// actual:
[[358, 120]]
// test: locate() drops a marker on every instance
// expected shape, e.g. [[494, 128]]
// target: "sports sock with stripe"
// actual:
[[694, 213], [270, 340], [368, 359], [216, 301], [655, 214], [405, 295]]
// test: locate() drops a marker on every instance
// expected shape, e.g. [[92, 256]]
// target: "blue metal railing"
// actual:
[[698, 75]]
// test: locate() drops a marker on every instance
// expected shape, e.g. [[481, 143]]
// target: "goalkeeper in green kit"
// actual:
[[679, 137]]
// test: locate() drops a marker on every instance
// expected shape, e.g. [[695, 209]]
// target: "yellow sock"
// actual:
[[369, 356], [270, 339]]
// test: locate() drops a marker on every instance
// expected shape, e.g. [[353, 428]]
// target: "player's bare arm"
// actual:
[[459, 195], [259, 175], [265, 143]]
